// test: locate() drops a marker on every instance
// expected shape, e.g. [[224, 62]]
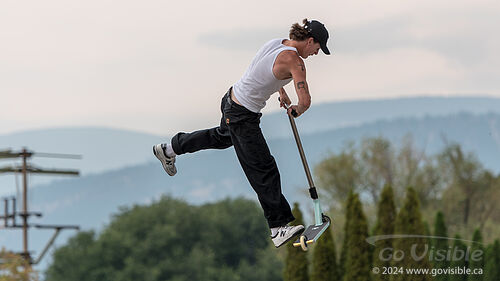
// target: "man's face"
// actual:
[[312, 48]]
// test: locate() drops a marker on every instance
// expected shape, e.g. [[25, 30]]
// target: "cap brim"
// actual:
[[324, 48]]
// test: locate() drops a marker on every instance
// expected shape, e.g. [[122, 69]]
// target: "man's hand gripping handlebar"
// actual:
[[289, 109]]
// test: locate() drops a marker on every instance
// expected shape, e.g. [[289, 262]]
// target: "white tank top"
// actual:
[[259, 83]]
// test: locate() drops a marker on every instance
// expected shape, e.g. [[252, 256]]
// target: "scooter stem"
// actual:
[[312, 188]]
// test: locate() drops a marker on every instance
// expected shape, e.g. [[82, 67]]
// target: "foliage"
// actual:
[[339, 175], [345, 247], [409, 222], [296, 268], [324, 263], [386, 216], [15, 268], [358, 258], [452, 181], [476, 262], [458, 261], [171, 240], [440, 244], [378, 156], [468, 177], [376, 163], [492, 267]]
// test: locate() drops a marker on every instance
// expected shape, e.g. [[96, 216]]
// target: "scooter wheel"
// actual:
[[303, 243]]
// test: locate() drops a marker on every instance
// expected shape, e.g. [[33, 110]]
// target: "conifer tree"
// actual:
[[358, 259], [324, 260], [476, 262], [296, 265], [386, 215], [427, 232], [440, 246], [492, 267], [496, 248], [344, 250], [409, 222], [458, 259]]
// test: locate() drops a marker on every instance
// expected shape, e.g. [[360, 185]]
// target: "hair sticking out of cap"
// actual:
[[299, 32]]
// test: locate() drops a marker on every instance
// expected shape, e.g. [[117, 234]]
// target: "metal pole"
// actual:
[[25, 205], [14, 211], [24, 214], [301, 151], [54, 236], [6, 212], [318, 214]]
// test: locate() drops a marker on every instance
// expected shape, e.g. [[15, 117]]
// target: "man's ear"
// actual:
[[310, 41]]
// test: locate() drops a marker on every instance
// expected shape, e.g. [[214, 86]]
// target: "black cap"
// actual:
[[319, 33]]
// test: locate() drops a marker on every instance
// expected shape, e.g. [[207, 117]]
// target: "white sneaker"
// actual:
[[286, 233], [167, 161]]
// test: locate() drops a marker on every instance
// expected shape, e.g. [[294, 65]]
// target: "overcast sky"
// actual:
[[163, 66]]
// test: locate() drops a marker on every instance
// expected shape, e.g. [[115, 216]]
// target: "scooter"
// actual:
[[312, 232]]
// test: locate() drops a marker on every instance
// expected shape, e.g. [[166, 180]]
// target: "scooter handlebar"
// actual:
[[294, 113]]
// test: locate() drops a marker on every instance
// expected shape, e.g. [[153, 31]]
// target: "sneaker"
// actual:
[[167, 162], [286, 233]]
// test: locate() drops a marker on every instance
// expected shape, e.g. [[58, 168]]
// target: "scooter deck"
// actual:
[[313, 232]]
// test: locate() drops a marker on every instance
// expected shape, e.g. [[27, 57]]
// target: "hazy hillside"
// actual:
[[101, 148], [212, 175], [328, 116], [107, 148]]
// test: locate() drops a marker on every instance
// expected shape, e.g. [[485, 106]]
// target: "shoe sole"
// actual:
[[163, 163]]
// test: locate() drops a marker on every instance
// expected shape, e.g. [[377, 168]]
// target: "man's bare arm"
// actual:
[[298, 71]]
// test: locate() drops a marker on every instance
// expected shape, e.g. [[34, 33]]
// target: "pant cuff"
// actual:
[[176, 146], [280, 223]]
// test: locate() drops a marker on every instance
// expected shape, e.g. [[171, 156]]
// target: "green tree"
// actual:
[[467, 176], [345, 247], [74, 260], [324, 263], [428, 233], [492, 267], [340, 174], [171, 240], [458, 260], [476, 262], [296, 264], [414, 168], [367, 168], [379, 157], [488, 209], [409, 222], [386, 216], [358, 259], [440, 246]]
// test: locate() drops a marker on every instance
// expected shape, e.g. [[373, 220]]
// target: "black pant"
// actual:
[[240, 127]]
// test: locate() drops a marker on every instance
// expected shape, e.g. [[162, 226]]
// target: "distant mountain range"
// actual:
[[119, 169], [328, 116], [106, 148]]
